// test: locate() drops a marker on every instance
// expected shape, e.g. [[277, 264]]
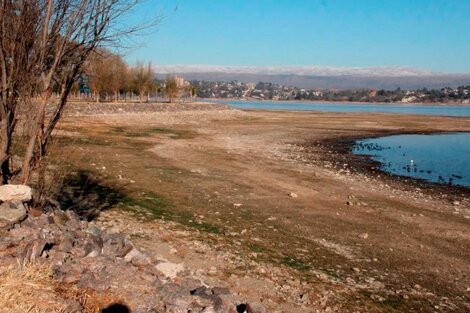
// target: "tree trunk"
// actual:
[[4, 151], [35, 134]]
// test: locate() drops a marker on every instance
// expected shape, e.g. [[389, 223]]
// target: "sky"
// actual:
[[425, 34]]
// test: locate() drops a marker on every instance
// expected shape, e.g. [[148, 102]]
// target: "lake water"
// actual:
[[442, 158], [447, 110]]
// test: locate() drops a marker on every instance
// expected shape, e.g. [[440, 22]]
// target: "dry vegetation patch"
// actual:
[[30, 288]]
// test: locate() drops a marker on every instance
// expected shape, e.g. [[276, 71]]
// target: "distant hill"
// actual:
[[323, 78]]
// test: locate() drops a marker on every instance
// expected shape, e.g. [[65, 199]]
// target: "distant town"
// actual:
[[269, 91]]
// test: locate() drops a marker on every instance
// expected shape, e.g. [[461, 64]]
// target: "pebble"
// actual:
[[364, 236], [292, 195], [212, 271]]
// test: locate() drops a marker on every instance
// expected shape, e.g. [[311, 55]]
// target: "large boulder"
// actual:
[[12, 213], [15, 193]]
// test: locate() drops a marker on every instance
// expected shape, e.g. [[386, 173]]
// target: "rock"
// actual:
[[364, 236], [257, 307], [12, 213], [137, 258], [220, 291], [349, 203], [169, 269], [212, 271], [93, 254], [66, 243], [208, 310], [38, 247], [116, 245], [205, 293], [200, 291], [21, 193], [81, 251], [456, 203], [93, 246], [292, 195], [93, 230]]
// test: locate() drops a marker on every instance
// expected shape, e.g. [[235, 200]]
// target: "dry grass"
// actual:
[[88, 299], [30, 288]]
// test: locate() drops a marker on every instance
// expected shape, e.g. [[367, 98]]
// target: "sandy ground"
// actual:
[[272, 191]]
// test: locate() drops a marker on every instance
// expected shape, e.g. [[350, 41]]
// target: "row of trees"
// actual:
[[111, 78]]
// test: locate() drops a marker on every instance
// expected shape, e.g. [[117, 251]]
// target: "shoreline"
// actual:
[[365, 164]]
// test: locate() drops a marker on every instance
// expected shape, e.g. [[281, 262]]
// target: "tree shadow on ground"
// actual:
[[86, 195], [116, 308]]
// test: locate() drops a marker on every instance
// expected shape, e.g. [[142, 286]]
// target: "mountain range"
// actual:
[[318, 77]]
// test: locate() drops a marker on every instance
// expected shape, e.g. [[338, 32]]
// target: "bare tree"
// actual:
[[97, 70], [142, 79], [44, 44], [172, 88], [107, 72], [120, 72]]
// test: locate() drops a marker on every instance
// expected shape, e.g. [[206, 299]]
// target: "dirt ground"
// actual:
[[295, 213]]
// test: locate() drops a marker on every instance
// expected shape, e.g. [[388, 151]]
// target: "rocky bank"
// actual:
[[104, 262]]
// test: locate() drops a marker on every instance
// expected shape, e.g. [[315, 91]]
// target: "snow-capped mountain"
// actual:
[[310, 70]]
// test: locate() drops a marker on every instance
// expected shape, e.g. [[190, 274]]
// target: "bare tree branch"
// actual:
[[44, 45]]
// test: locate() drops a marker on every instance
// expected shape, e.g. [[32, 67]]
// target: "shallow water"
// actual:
[[442, 158], [444, 110]]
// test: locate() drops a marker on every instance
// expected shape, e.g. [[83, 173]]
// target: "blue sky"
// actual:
[[426, 34]]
